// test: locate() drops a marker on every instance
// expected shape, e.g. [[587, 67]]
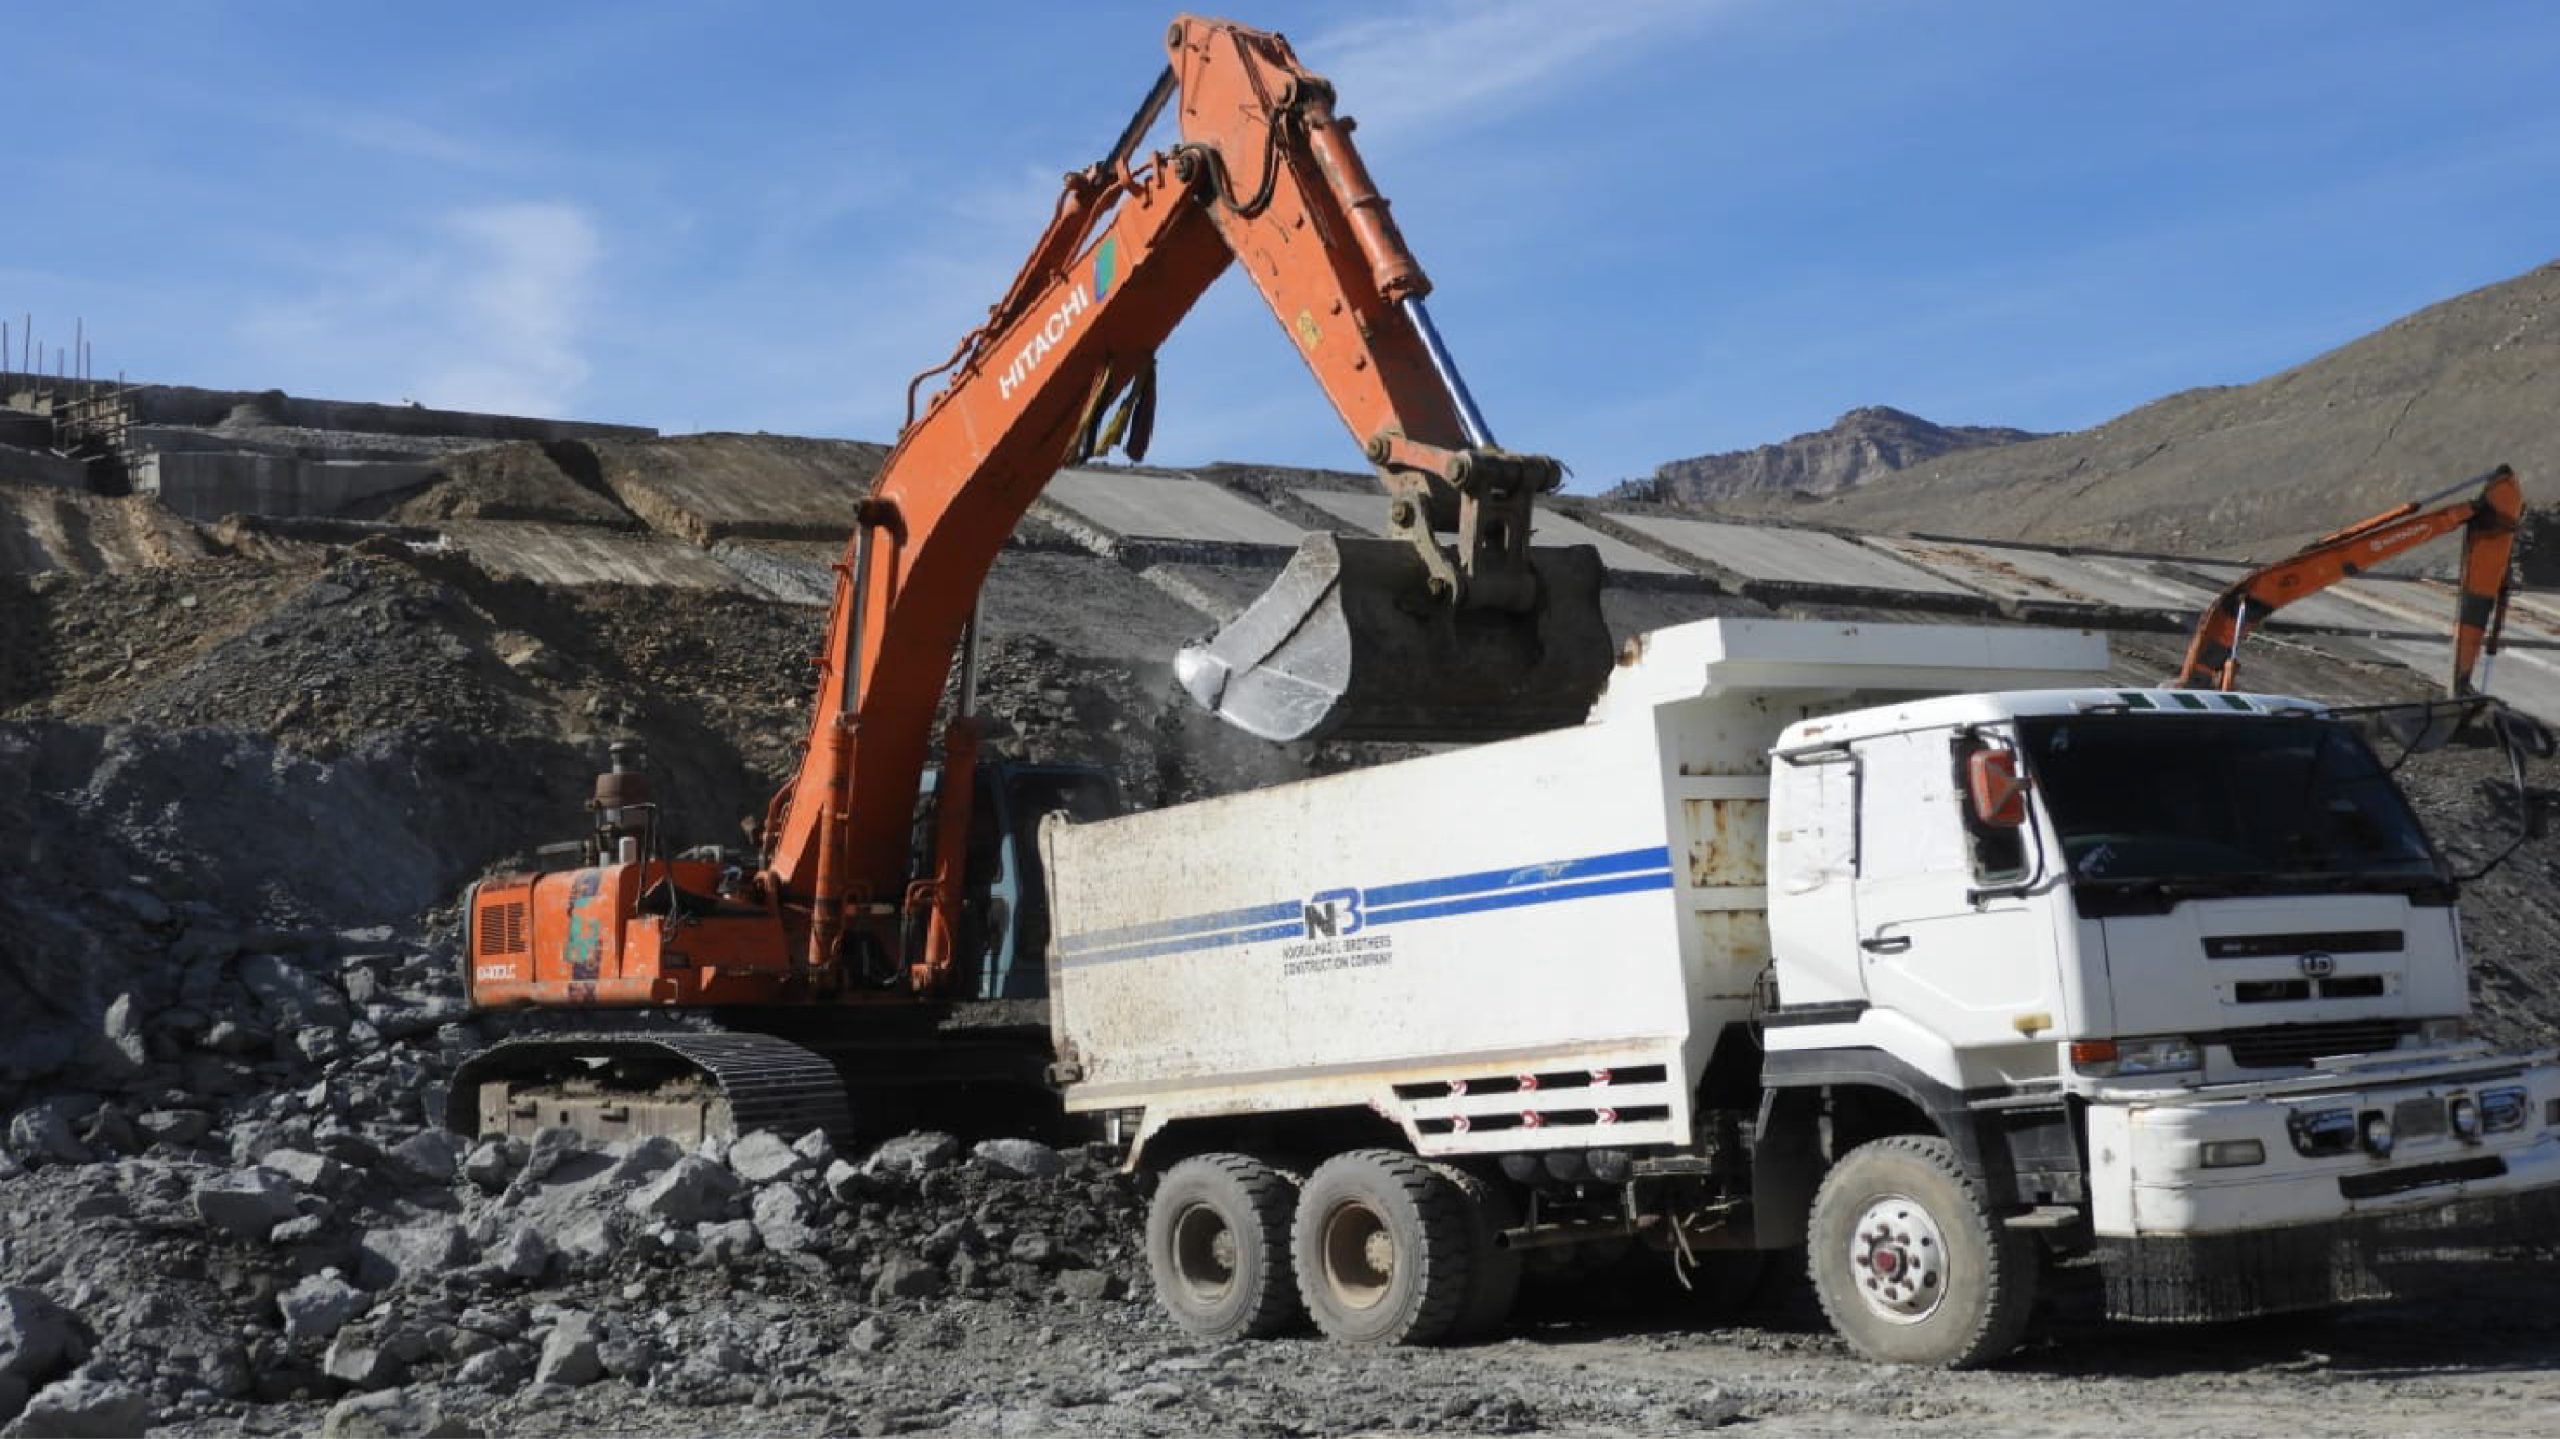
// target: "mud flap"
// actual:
[[1349, 644]]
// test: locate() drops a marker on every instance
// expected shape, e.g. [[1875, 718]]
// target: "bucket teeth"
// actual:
[[1348, 644]]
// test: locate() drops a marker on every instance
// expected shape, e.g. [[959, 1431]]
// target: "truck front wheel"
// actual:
[[1911, 1265], [1382, 1249], [1218, 1246]]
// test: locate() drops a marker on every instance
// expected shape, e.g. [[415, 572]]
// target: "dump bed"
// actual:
[[1546, 934]]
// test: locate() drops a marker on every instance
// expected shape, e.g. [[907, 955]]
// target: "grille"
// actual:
[[502, 929], [2294, 1046]]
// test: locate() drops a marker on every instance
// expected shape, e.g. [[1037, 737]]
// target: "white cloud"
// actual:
[[1446, 64], [486, 310]]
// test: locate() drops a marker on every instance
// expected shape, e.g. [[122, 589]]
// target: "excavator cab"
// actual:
[[1351, 642]]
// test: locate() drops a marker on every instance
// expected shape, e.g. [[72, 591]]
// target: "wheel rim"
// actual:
[[1359, 1256], [1205, 1254], [1898, 1260]]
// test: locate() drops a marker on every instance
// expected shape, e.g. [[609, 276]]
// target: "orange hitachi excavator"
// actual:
[[2488, 520], [844, 911]]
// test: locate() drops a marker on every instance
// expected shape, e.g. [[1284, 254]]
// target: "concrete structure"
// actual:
[[187, 405], [1113, 505], [42, 467], [207, 485], [2343, 607], [1359, 514], [2034, 576], [1773, 554], [578, 555], [707, 488]]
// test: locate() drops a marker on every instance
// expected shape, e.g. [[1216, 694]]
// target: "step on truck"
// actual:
[[1918, 949]]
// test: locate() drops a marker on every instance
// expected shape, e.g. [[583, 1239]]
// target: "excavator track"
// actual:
[[688, 1086]]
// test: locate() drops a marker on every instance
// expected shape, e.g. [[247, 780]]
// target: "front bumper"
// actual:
[[2178, 1240]]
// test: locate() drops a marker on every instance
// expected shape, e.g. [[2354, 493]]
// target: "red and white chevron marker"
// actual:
[[1531, 1119], [1608, 1116], [1526, 1082], [1599, 1076]]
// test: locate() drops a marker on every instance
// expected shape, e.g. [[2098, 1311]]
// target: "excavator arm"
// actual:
[[2488, 521], [1399, 636]]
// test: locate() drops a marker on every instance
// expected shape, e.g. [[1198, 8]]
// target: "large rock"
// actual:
[[78, 1408], [782, 1220], [402, 1256], [691, 1191], [914, 1153], [362, 1366], [432, 1155], [311, 1171], [569, 1352], [762, 1157], [645, 1158], [38, 1338], [318, 1307], [493, 1162], [246, 1203], [523, 1254], [1020, 1158], [44, 1132], [291, 996], [392, 1414], [905, 1276]]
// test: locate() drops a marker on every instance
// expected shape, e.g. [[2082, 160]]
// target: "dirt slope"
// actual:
[[2435, 397]]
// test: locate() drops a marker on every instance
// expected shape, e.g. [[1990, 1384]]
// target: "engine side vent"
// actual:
[[502, 929]]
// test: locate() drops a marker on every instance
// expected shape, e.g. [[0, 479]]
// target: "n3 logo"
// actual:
[[1333, 914]]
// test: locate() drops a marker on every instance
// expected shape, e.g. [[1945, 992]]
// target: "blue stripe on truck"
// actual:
[[1633, 871]]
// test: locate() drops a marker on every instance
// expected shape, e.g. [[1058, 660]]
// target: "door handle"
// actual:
[[1886, 944]]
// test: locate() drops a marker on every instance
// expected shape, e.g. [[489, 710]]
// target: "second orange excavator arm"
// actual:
[[2488, 520], [1266, 175]]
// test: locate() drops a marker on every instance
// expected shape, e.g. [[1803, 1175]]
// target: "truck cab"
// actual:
[[1002, 946], [2087, 888]]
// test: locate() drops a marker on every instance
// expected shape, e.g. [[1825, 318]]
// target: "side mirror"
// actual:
[[1996, 790]]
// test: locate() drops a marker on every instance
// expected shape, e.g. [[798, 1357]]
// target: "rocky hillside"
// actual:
[[1859, 447], [2254, 470]]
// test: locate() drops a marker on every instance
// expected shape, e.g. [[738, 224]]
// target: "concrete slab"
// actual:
[[2039, 576], [2179, 596], [2527, 679], [2530, 614], [1161, 509], [1785, 556], [207, 486], [2428, 605], [580, 555], [1359, 514], [707, 488]]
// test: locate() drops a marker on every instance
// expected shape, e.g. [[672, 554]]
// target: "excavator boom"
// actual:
[[1451, 628], [2488, 520]]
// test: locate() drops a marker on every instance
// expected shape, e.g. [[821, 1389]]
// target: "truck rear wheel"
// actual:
[[1493, 1278], [1911, 1265], [1218, 1246], [1381, 1245]]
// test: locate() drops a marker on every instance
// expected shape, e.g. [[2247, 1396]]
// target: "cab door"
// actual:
[[1964, 967]]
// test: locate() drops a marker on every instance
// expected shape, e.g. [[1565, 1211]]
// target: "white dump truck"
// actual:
[[1916, 948]]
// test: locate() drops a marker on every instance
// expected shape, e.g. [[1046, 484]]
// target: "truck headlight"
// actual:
[[2115, 1058], [2503, 1109], [2375, 1131], [2432, 1032]]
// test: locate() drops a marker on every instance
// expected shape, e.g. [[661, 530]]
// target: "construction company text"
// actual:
[[1042, 341]]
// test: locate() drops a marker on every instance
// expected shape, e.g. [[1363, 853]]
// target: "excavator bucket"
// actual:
[[1349, 644]]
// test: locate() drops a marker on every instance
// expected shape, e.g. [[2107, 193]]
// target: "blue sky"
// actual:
[[1657, 229]]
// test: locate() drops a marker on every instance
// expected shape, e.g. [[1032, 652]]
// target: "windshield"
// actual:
[[2221, 799]]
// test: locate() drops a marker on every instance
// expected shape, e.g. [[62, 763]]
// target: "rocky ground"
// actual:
[[237, 800]]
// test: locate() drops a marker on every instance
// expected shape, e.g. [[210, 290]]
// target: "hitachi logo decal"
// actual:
[[1042, 341]]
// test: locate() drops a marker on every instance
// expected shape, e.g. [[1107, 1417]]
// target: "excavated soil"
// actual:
[[239, 797]]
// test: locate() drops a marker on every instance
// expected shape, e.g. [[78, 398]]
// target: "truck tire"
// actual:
[[1218, 1246], [1493, 1278], [1911, 1265], [1381, 1247]]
